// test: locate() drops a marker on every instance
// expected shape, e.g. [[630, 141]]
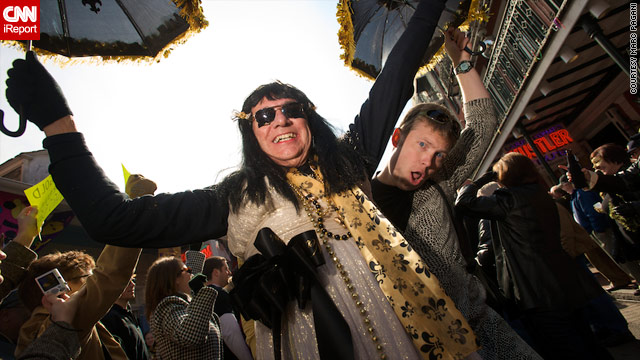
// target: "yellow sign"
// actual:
[[126, 174], [45, 196]]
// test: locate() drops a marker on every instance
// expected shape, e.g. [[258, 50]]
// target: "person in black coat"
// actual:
[[533, 269]]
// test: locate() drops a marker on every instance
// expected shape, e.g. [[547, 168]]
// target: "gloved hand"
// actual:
[[197, 282], [31, 87], [627, 210], [486, 178]]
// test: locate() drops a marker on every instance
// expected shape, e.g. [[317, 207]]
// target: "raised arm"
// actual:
[[495, 207], [19, 254], [479, 115], [394, 85], [189, 325], [108, 215], [470, 82]]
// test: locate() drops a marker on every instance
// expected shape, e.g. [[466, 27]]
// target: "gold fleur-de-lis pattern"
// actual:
[[436, 326]]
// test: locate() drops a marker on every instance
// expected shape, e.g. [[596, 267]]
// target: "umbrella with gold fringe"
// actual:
[[370, 28], [116, 30], [111, 31]]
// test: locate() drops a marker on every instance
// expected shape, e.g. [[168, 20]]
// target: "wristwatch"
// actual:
[[464, 67]]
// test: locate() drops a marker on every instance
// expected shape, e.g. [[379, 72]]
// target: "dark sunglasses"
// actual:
[[291, 110], [436, 115], [186, 270]]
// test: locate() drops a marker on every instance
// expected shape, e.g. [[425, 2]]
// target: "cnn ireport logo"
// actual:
[[20, 20]]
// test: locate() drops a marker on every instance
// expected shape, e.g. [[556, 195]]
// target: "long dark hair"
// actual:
[[340, 164], [161, 282]]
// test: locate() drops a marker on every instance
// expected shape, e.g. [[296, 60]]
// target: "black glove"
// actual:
[[31, 87], [197, 282], [626, 210], [486, 178]]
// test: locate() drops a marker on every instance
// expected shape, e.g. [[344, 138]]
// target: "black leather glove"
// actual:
[[197, 282], [31, 87], [486, 178], [627, 210]]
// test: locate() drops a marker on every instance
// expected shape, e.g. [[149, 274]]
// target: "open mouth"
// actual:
[[416, 177], [284, 137]]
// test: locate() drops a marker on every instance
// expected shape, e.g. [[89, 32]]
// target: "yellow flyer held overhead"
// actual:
[[126, 174], [45, 196]]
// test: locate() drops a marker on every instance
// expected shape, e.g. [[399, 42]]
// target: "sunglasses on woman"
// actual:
[[186, 270], [267, 115]]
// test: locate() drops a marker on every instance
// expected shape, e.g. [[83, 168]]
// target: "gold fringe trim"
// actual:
[[190, 10], [477, 13], [345, 36]]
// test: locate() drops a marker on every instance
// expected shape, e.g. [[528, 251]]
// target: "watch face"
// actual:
[[463, 67]]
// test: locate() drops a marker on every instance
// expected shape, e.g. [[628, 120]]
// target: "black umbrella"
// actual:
[[114, 30], [370, 28]]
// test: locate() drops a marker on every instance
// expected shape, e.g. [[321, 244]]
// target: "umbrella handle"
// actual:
[[482, 46], [21, 127]]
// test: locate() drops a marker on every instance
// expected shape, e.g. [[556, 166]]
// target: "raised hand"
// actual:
[[197, 282], [32, 91], [27, 226], [62, 307], [454, 42]]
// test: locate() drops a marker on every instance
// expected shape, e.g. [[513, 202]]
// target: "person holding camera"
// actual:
[[98, 285]]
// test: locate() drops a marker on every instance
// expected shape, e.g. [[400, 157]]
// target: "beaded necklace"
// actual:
[[316, 214]]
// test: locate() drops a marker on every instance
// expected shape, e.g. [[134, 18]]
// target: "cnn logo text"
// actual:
[[20, 20]]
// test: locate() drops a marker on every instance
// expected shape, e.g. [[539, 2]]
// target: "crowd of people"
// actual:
[[419, 263]]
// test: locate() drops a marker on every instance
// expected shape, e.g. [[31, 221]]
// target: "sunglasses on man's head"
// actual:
[[436, 115], [267, 115]]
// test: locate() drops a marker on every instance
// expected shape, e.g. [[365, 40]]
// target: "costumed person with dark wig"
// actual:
[[296, 177]]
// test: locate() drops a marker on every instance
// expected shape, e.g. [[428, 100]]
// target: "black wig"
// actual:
[[341, 166]]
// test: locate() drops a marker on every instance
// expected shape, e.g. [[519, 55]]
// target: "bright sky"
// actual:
[[171, 121]]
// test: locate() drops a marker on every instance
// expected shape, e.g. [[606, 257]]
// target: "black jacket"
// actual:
[[532, 267]]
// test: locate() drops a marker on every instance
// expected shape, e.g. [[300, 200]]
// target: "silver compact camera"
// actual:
[[52, 282]]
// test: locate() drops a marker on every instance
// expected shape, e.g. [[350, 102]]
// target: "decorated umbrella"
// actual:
[[370, 28], [112, 30]]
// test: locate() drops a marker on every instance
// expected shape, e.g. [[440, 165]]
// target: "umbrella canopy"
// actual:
[[116, 29], [370, 28]]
